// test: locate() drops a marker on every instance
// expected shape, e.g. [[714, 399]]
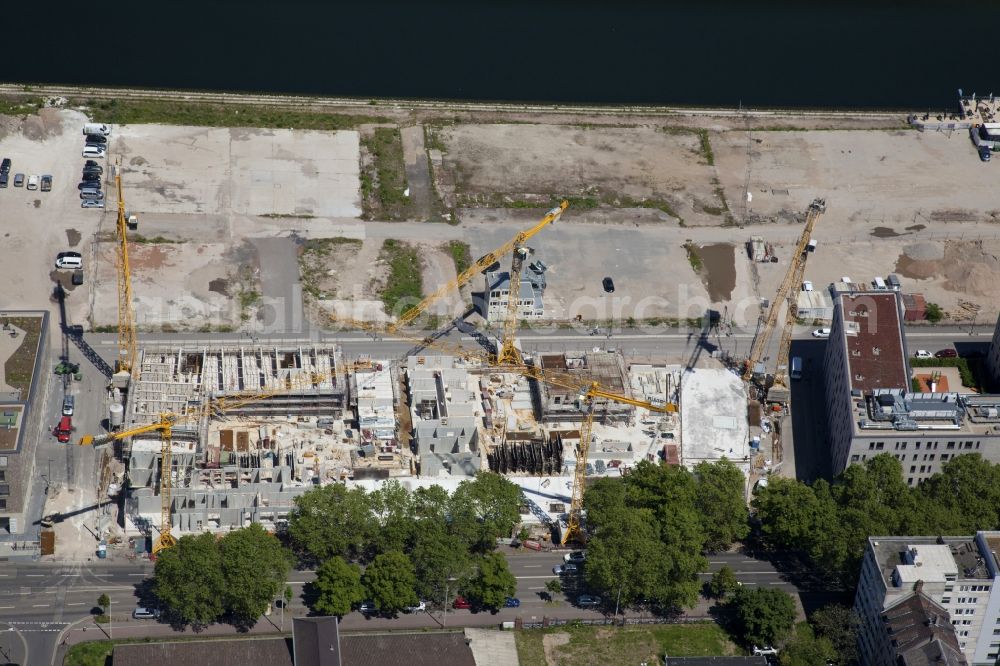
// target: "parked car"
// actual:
[[588, 601], [576, 556], [68, 404], [512, 602], [984, 153], [92, 203], [91, 175], [946, 353], [421, 606], [562, 569], [89, 185], [96, 128], [141, 613], [4, 177], [93, 151], [18, 179], [46, 183], [807, 285], [461, 602], [923, 353], [609, 285], [69, 260], [5, 165], [91, 164], [368, 608], [821, 333], [64, 429], [33, 182], [95, 195], [97, 139]]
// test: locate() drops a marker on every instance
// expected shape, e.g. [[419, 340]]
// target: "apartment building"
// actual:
[[959, 575], [530, 294]]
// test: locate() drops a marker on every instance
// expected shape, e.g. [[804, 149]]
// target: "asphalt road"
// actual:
[[45, 603]]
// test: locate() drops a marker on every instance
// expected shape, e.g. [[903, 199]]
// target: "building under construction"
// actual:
[[285, 428], [563, 405]]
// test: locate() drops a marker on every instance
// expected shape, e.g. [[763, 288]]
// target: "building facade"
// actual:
[[530, 297], [959, 574]]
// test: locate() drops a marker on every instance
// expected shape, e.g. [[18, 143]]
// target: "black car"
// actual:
[[5, 165], [984, 153], [92, 169], [97, 139], [90, 175], [609, 285], [3, 178], [92, 163], [90, 185]]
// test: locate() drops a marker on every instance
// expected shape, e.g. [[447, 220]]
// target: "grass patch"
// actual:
[[385, 186], [432, 139], [20, 367], [313, 262], [95, 653], [693, 257], [460, 254], [706, 147], [625, 645], [172, 112], [590, 201], [248, 297], [404, 284], [20, 106], [155, 240]]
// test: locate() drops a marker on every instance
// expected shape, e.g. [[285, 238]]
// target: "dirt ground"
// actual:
[[512, 163]]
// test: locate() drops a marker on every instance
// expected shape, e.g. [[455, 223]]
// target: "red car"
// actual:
[[461, 602], [946, 353], [64, 429]]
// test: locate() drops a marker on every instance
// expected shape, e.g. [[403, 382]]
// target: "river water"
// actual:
[[811, 53]]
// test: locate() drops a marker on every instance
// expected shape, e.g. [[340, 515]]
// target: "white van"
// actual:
[[97, 128], [69, 260], [879, 284], [93, 151], [796, 367]]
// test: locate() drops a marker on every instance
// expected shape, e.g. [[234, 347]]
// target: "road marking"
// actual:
[[536, 588], [776, 582], [138, 574], [77, 603], [35, 575], [532, 566], [6, 607], [526, 577], [39, 605]]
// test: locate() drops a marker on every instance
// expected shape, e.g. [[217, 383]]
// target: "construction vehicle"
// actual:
[[214, 407], [754, 368], [486, 262], [126, 311]]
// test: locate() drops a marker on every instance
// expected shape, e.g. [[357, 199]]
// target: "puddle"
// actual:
[[885, 232], [73, 237], [219, 286], [719, 270]]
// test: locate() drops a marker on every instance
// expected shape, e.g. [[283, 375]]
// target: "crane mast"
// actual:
[[126, 311]]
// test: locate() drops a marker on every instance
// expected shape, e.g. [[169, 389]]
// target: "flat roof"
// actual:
[[873, 335], [938, 556], [714, 417]]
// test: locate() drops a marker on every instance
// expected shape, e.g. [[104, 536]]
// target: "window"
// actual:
[[951, 445], [945, 600], [879, 446], [968, 445], [903, 446], [3, 475], [871, 446], [4, 489], [3, 504], [913, 468], [3, 461], [915, 456], [909, 481], [855, 457], [932, 457], [922, 468], [944, 456], [918, 446]]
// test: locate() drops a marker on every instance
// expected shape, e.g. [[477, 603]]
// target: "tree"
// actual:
[[188, 580], [838, 625], [933, 313], [723, 583], [390, 581], [553, 586], [255, 568], [441, 561], [338, 587], [483, 509], [765, 616], [332, 520], [805, 649], [392, 511], [719, 498], [493, 581], [104, 602]]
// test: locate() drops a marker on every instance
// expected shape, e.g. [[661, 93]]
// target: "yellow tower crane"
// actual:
[[486, 261], [786, 291], [214, 407], [126, 311]]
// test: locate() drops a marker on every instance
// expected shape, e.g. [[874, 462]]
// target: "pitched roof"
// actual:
[[921, 632], [227, 652]]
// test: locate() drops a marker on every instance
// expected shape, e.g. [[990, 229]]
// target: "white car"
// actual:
[[93, 151], [807, 286], [821, 333], [421, 606], [69, 260], [923, 353], [32, 182]]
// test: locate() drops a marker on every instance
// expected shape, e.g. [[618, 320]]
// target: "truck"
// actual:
[[64, 429]]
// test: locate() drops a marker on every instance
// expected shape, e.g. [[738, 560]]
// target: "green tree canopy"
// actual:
[[255, 567], [441, 561], [723, 583], [392, 512], [390, 582], [838, 625], [720, 498], [104, 601], [493, 582], [188, 580], [332, 520], [806, 649], [338, 587], [765, 615], [483, 509]]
